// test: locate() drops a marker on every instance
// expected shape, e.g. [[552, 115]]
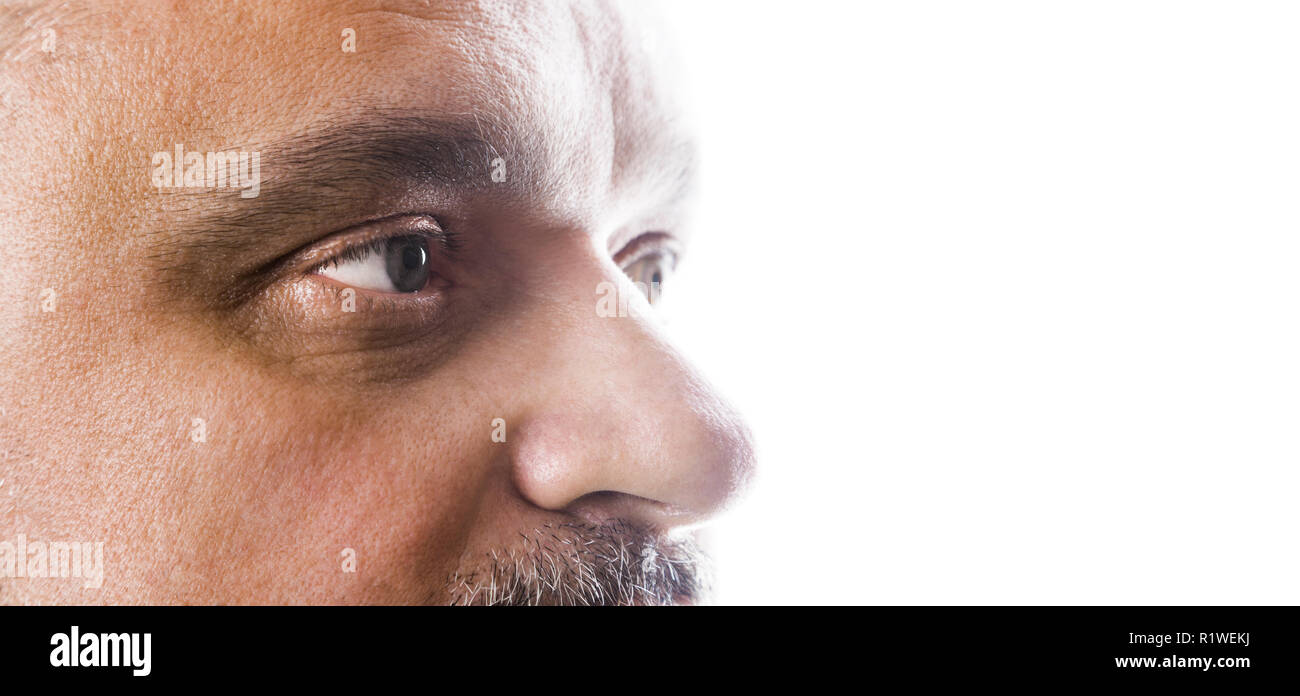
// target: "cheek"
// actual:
[[331, 502]]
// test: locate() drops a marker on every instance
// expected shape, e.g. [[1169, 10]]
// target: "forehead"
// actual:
[[584, 84]]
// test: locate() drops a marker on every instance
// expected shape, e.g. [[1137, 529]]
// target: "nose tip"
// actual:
[[666, 468], [725, 467]]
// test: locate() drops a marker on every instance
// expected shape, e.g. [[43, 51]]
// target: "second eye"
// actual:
[[395, 264]]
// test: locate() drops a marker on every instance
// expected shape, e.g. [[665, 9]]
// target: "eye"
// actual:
[[649, 272], [396, 264]]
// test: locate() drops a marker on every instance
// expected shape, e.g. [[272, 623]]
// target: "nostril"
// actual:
[[606, 506]]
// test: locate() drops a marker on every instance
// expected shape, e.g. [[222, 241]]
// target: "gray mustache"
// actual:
[[574, 564]]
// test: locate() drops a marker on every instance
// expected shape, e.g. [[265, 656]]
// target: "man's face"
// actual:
[[412, 368]]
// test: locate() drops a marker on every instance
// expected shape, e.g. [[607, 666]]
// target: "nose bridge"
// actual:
[[617, 411]]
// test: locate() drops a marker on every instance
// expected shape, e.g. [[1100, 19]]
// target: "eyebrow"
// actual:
[[333, 171], [332, 166]]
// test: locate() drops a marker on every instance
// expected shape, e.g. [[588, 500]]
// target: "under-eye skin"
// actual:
[[379, 302]]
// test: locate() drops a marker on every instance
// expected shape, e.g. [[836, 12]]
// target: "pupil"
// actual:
[[657, 277], [408, 264]]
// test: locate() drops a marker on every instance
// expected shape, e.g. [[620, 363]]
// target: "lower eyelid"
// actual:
[[436, 285], [301, 328]]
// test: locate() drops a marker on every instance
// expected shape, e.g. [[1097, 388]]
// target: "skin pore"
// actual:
[[500, 160]]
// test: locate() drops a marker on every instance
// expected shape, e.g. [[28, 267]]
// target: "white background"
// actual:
[[1008, 292]]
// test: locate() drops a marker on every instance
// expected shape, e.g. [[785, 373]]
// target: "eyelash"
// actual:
[[359, 251]]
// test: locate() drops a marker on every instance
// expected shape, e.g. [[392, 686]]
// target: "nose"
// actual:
[[619, 426]]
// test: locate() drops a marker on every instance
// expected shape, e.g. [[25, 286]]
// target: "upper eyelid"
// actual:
[[334, 246], [348, 253], [648, 242], [354, 251]]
